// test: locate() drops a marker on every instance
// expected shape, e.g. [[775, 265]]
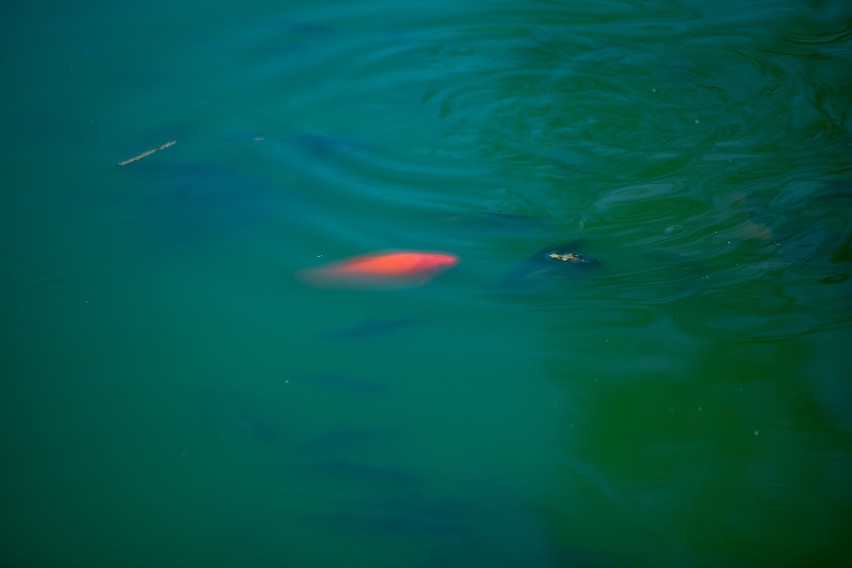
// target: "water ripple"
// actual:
[[439, 132]]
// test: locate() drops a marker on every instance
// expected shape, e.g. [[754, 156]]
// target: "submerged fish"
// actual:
[[550, 261], [411, 512], [371, 327], [190, 204], [341, 440], [393, 269], [232, 413], [345, 471]]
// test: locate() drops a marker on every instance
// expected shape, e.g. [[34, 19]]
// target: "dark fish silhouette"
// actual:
[[342, 471], [328, 146], [547, 263], [194, 203], [257, 426], [410, 514], [371, 327], [307, 145], [233, 412], [340, 440]]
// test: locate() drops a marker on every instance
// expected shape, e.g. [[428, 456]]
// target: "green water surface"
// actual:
[[174, 395]]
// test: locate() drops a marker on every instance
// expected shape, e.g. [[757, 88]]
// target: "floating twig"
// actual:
[[148, 153]]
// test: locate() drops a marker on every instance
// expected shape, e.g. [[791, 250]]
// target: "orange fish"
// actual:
[[393, 269]]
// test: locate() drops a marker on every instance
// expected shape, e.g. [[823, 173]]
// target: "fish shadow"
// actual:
[[369, 328], [232, 414], [192, 203]]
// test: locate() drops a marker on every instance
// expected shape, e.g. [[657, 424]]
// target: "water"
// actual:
[[173, 395]]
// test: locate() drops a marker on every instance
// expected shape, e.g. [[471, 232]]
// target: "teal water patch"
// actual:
[[174, 393]]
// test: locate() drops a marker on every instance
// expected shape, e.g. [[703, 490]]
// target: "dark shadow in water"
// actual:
[[192, 203], [411, 515], [257, 426], [341, 440], [326, 146], [231, 413], [550, 264], [377, 476], [311, 146], [372, 327]]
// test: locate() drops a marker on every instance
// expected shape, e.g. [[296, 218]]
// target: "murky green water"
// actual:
[[172, 395]]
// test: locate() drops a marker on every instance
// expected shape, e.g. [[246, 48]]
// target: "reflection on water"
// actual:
[[683, 402]]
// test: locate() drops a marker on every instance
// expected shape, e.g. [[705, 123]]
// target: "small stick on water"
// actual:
[[148, 153]]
